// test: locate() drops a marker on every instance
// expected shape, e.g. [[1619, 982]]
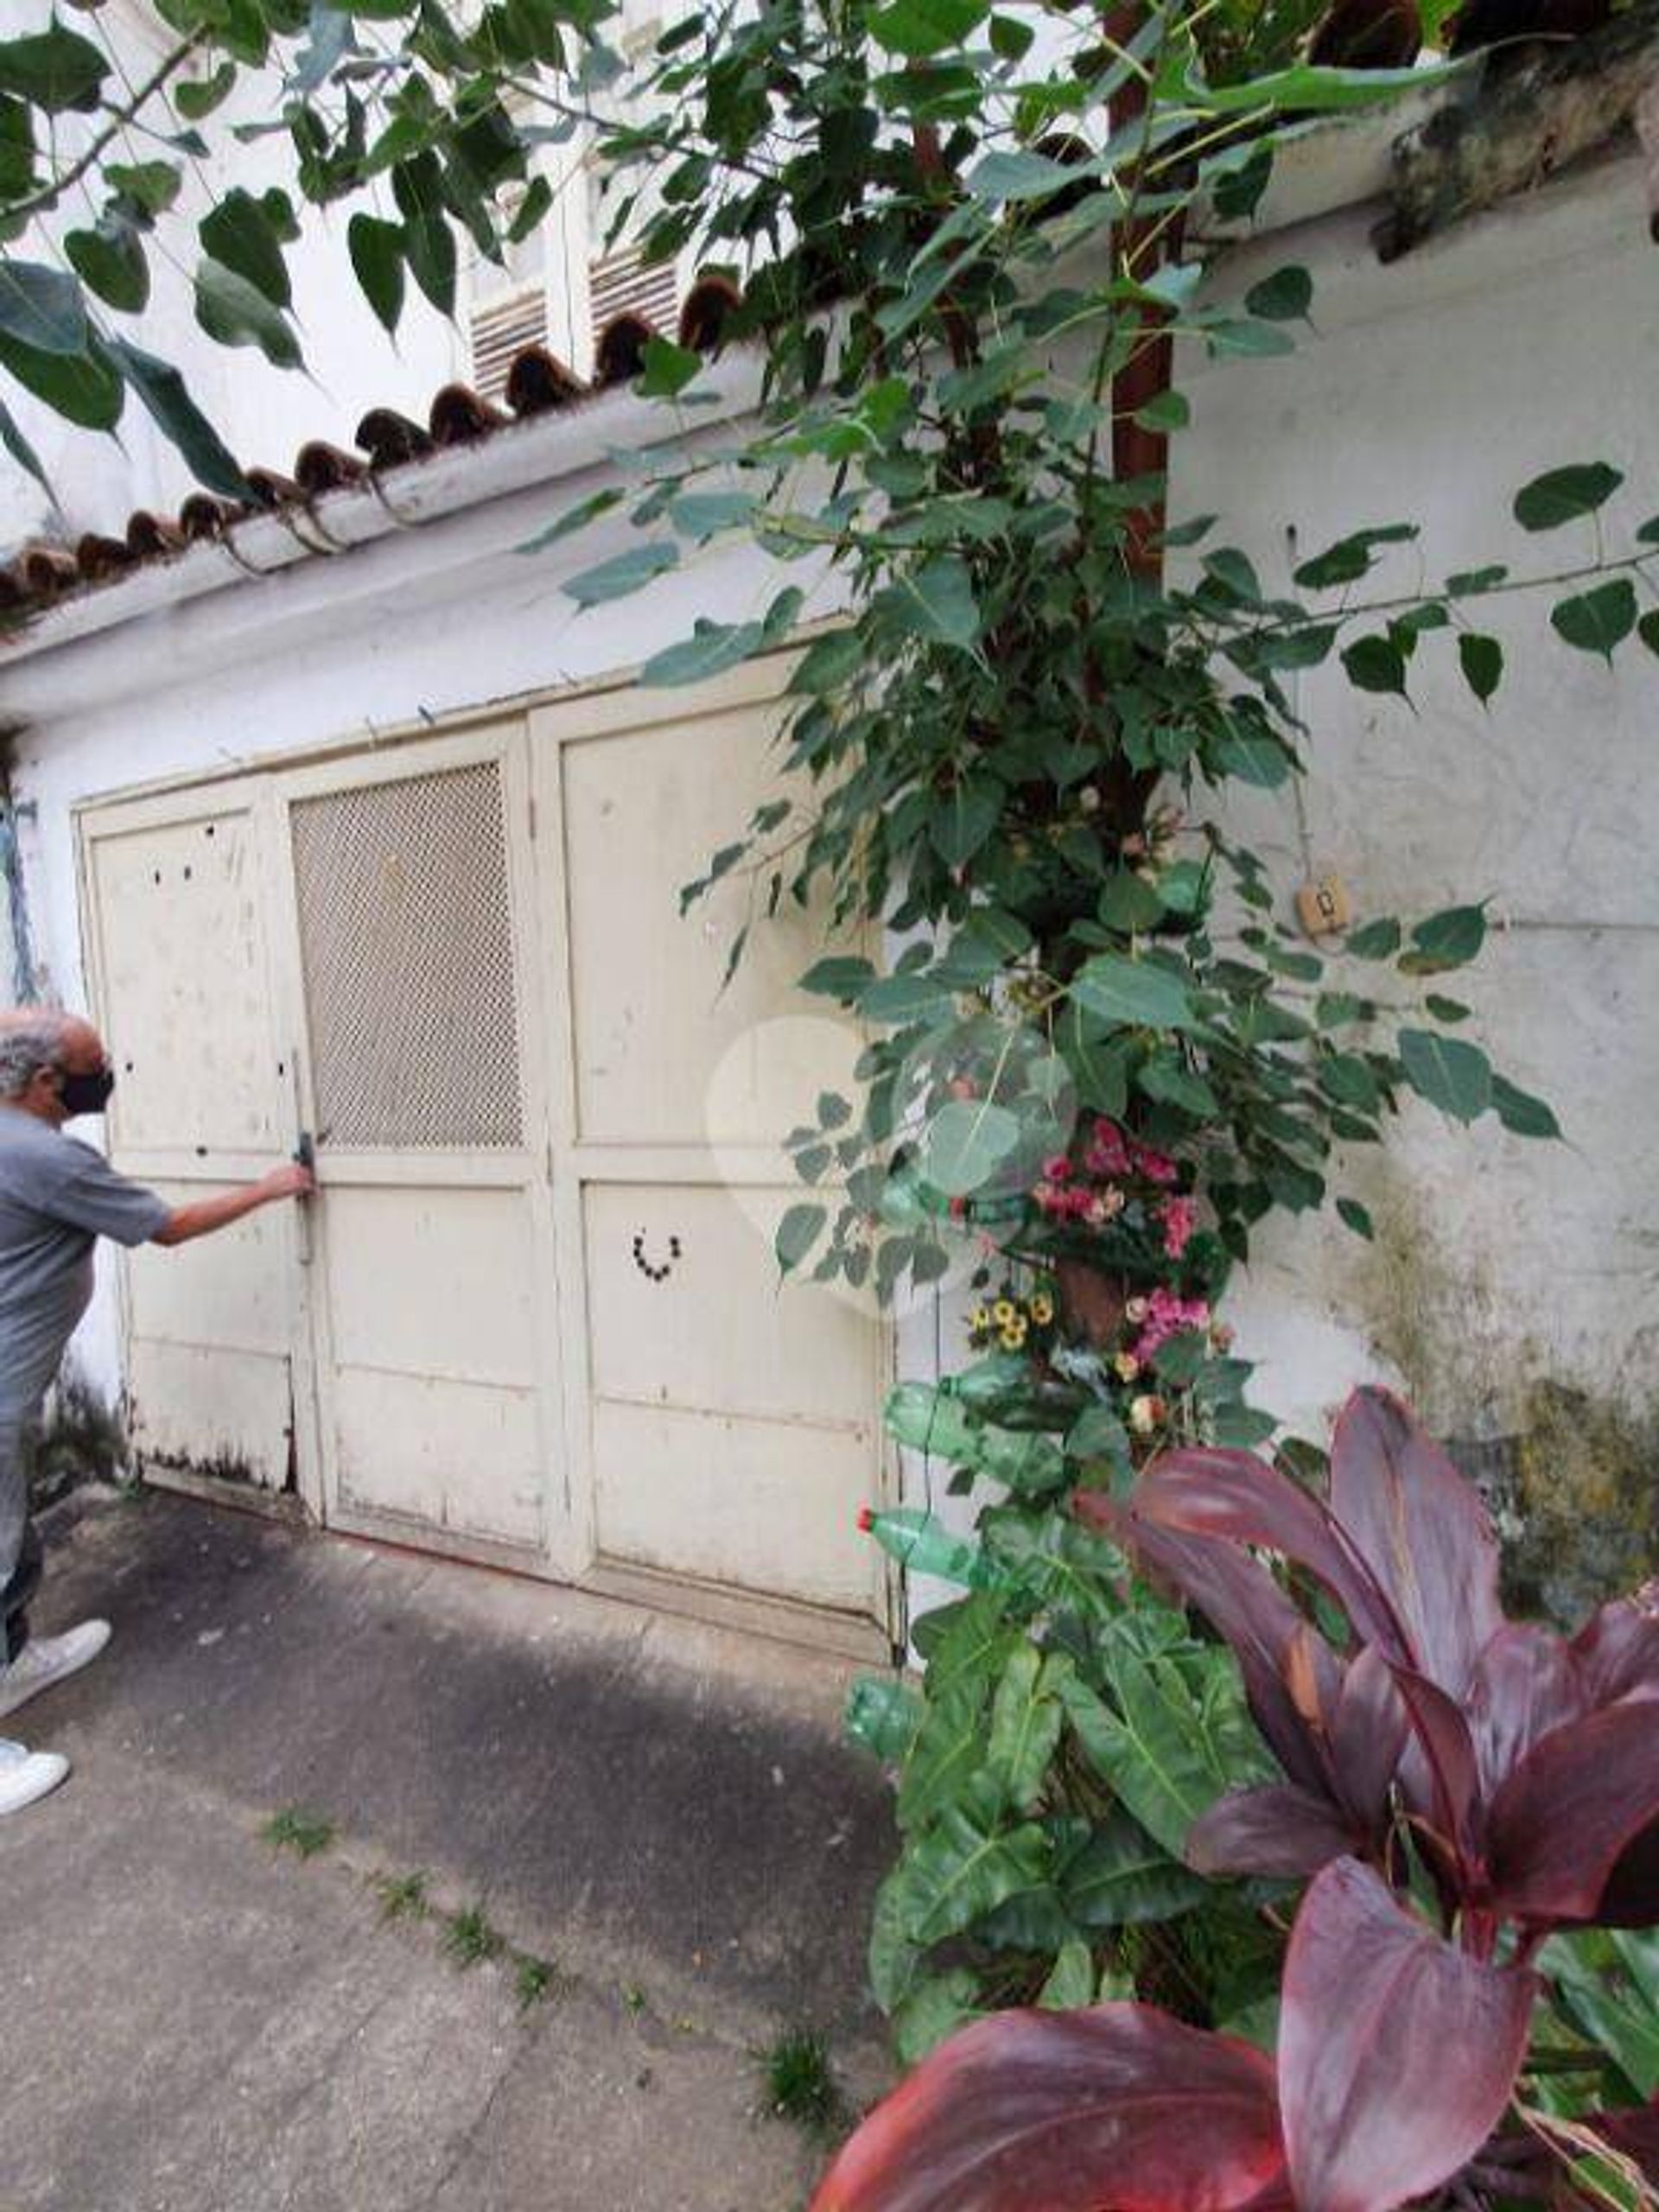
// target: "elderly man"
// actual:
[[57, 1196]]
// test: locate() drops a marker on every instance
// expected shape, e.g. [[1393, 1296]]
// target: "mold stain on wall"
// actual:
[[1570, 1467]]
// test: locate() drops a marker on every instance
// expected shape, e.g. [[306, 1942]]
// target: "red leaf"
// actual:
[[1396, 2053], [1617, 1650], [1439, 1776], [1210, 1492], [1275, 1829], [1631, 1898], [1527, 1681], [1560, 1823], [1634, 2131], [1069, 2112], [1423, 1532], [1368, 1733]]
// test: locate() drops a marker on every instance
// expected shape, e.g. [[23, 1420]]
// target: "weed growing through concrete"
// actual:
[[799, 2084], [402, 1896], [297, 1830], [469, 1937], [533, 1978], [634, 1997]]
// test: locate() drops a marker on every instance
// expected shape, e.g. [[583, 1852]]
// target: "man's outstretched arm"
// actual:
[[203, 1215]]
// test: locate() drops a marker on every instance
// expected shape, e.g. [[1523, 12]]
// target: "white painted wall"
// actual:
[[1432, 389], [1435, 389]]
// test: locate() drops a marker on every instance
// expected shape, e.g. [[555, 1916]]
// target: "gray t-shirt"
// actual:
[[57, 1197]]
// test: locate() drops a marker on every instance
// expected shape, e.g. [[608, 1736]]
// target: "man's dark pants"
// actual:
[[14, 1598], [20, 1542]]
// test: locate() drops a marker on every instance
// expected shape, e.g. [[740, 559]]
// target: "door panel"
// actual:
[[431, 1282], [734, 1502], [455, 1460], [733, 1427], [654, 1016], [717, 1330], [732, 1431], [209, 1409], [186, 986], [435, 1333], [182, 984]]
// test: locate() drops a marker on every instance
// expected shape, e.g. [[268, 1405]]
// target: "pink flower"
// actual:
[[1156, 1167], [1168, 1316], [1108, 1151], [1058, 1170], [1181, 1218]]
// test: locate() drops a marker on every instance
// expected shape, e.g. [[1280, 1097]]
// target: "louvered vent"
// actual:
[[622, 284], [500, 333]]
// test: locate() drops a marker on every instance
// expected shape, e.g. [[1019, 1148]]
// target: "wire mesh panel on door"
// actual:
[[406, 942]]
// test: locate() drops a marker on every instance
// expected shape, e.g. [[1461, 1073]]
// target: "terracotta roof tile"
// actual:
[[458, 417], [47, 570], [271, 490], [389, 439], [620, 351], [710, 306], [98, 557], [203, 516], [538, 384], [321, 467], [150, 536]]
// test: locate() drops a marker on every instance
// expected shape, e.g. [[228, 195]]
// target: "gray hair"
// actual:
[[30, 1042]]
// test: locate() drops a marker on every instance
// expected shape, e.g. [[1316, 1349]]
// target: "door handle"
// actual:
[[305, 1153]]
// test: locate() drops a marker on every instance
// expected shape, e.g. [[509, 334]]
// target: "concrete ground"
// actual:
[[197, 2019]]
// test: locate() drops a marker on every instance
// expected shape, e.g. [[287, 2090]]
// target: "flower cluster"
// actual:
[[1102, 1182], [1153, 1320], [1160, 1315], [1007, 1322]]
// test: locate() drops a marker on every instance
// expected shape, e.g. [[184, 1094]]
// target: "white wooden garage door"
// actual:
[[533, 1316]]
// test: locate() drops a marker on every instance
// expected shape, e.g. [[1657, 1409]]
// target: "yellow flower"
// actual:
[[979, 1320], [1014, 1336], [1003, 1312], [1127, 1366], [1042, 1309]]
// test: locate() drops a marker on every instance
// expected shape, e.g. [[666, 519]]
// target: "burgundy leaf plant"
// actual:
[[1457, 1786]]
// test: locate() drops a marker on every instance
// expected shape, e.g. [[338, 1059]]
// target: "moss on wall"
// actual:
[[1571, 1471], [1581, 1476], [81, 1439]]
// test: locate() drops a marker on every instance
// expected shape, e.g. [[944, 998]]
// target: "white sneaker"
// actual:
[[25, 1775], [48, 1659]]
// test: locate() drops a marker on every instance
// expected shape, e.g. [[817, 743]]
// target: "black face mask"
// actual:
[[86, 1094]]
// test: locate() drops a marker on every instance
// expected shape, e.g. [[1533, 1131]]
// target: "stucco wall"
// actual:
[[1503, 1271]]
